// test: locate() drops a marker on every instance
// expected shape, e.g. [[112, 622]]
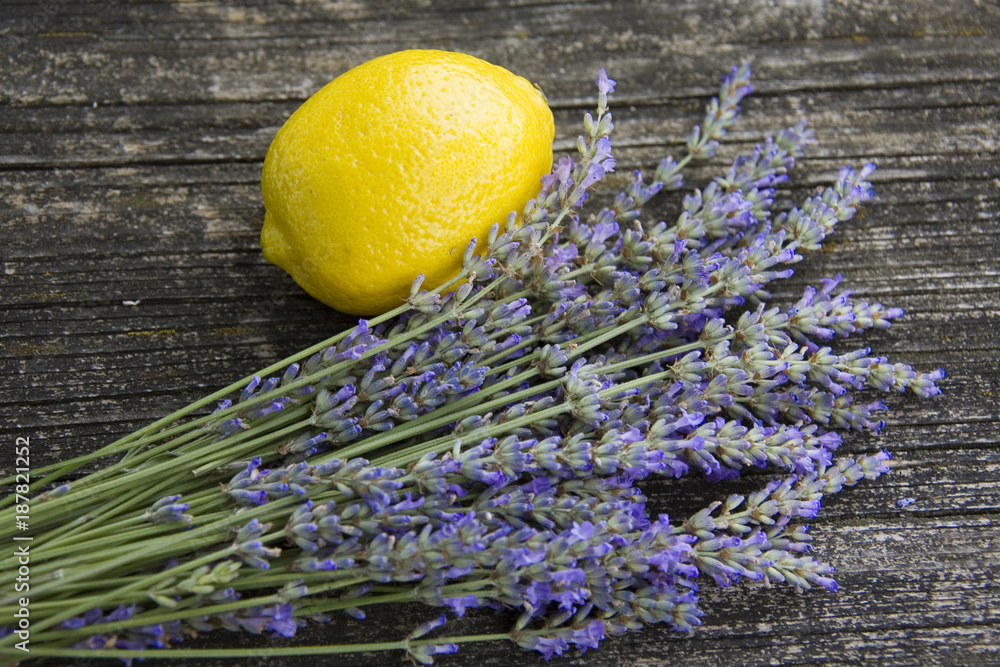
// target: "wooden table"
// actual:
[[132, 283]]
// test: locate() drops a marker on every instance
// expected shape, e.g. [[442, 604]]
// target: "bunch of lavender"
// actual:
[[483, 444]]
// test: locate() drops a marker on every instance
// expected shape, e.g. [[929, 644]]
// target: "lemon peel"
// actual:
[[391, 169]]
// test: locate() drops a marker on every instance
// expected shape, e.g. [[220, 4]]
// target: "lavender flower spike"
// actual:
[[487, 447], [168, 510]]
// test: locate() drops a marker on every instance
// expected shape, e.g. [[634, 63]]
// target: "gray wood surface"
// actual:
[[131, 142]]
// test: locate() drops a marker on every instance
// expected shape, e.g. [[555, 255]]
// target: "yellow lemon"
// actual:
[[391, 169]]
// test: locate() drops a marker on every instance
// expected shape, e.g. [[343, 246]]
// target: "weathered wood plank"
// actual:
[[207, 279], [151, 196], [185, 52]]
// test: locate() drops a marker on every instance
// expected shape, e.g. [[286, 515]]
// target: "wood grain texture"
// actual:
[[131, 141]]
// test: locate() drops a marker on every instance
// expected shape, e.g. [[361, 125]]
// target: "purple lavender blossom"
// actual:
[[608, 348]]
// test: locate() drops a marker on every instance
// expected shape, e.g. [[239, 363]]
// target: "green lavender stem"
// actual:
[[328, 649], [188, 447], [475, 405]]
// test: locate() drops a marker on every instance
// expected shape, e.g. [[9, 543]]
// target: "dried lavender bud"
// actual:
[[607, 348], [168, 510]]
